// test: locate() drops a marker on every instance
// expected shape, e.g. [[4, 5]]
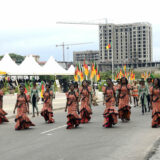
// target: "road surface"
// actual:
[[125, 141]]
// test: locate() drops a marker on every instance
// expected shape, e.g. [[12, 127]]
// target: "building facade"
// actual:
[[130, 43], [89, 56]]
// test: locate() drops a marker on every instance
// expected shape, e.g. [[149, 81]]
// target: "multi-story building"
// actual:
[[130, 43], [89, 56]]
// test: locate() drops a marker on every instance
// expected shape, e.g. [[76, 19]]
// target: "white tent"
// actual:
[[71, 70], [29, 67], [8, 65], [53, 68]]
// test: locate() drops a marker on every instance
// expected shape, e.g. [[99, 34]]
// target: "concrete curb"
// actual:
[[152, 149]]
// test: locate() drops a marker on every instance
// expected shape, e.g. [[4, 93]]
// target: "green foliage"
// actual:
[[16, 90], [137, 75], [47, 78], [100, 85], [65, 77], [156, 75], [55, 87], [105, 75]]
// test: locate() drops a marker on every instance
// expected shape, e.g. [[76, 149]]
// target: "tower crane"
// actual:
[[63, 45], [92, 23], [84, 23]]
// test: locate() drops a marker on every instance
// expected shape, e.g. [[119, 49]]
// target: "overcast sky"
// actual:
[[29, 26]]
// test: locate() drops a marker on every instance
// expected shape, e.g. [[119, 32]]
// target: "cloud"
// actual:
[[29, 26]]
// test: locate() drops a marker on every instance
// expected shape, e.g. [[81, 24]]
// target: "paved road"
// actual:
[[126, 141]]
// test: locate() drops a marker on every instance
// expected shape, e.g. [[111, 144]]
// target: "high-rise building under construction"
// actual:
[[130, 43]]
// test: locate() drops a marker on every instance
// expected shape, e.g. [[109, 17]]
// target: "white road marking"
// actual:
[[53, 129], [49, 134]]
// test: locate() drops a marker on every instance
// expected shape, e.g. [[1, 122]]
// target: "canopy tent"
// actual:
[[53, 68], [29, 67], [8, 65], [71, 70], [2, 73]]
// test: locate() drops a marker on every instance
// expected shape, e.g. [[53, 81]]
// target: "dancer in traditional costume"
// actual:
[[22, 106], [34, 98], [52, 93], [2, 112], [73, 119], [47, 112], [116, 88], [90, 93], [85, 110], [155, 103], [110, 114], [135, 93], [124, 109], [76, 89]]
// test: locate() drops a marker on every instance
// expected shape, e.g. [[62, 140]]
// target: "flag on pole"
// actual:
[[42, 89], [95, 69], [85, 66], [76, 77], [26, 88], [108, 46], [124, 67], [92, 71], [81, 76], [98, 75], [78, 69]]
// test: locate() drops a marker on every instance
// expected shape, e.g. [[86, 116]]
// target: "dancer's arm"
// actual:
[[15, 107]]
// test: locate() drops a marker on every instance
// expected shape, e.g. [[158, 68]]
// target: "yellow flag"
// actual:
[[107, 47]]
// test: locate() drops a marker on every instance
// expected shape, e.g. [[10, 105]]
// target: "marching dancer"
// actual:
[[72, 107], [135, 93], [22, 106], [90, 93], [52, 93], [47, 112], [110, 114], [155, 103], [2, 112], [85, 110], [116, 88], [124, 109], [76, 88]]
